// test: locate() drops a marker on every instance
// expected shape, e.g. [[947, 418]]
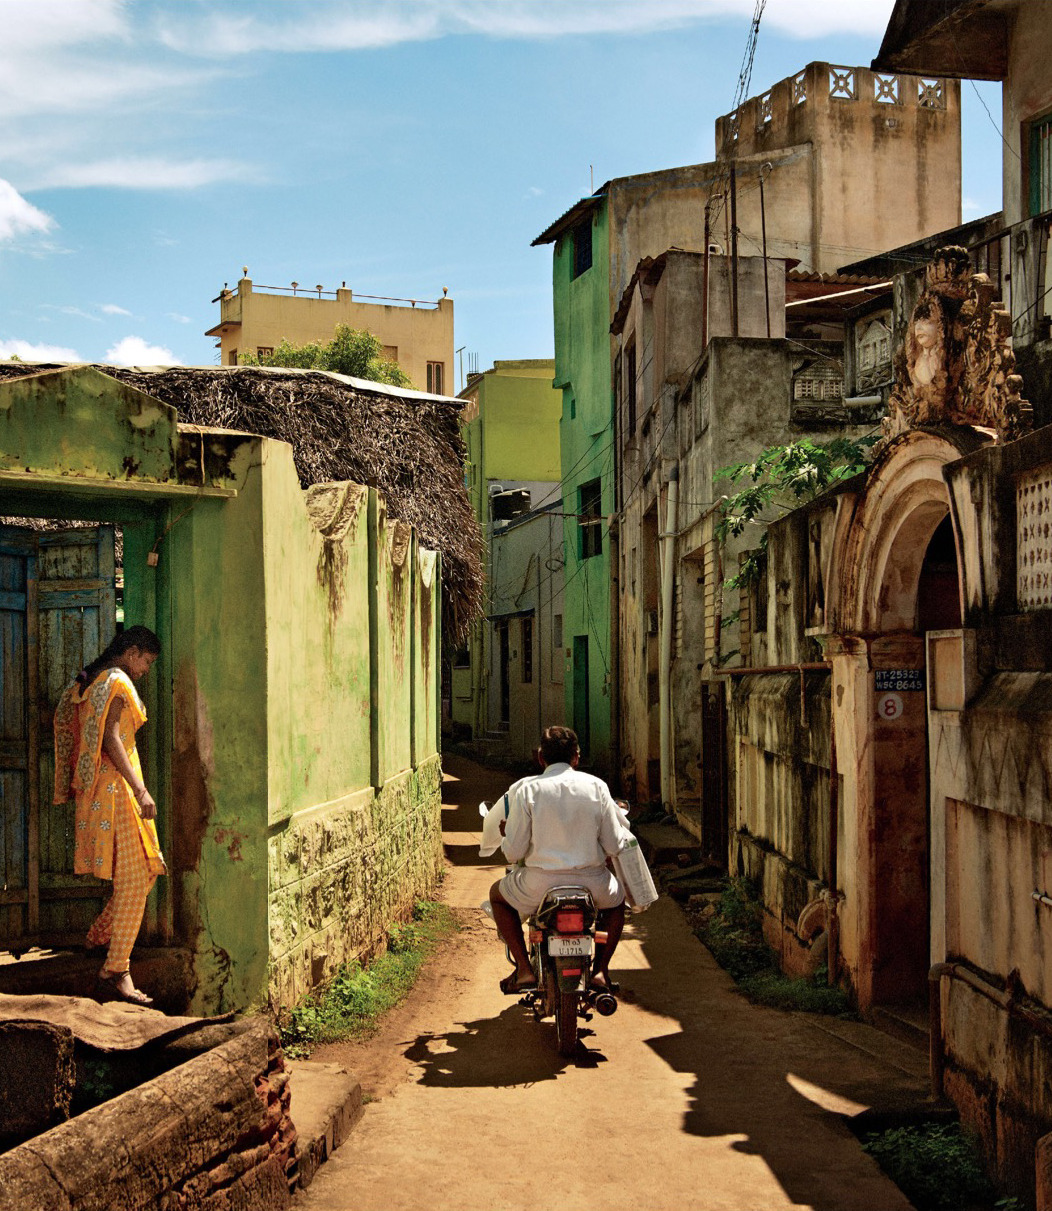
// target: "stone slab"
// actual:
[[326, 1104]]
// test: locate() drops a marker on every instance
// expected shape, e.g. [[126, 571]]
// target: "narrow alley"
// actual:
[[688, 1098]]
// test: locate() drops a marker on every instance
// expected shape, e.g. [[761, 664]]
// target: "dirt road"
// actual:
[[688, 1099]]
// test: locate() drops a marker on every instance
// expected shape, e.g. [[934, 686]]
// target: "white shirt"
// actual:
[[562, 820]]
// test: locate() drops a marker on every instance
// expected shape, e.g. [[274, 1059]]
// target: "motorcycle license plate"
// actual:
[[570, 946]]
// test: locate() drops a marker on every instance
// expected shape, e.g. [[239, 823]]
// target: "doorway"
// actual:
[[923, 569], [57, 612]]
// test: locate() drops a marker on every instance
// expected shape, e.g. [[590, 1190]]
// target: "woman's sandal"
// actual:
[[511, 985], [109, 990]]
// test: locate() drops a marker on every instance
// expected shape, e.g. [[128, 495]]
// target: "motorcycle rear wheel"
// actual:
[[566, 1021]]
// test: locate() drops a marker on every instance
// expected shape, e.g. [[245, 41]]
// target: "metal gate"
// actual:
[[57, 612]]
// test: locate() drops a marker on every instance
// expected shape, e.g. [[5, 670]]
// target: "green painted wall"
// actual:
[[581, 309], [293, 733], [515, 434]]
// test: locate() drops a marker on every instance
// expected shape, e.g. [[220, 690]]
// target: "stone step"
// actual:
[[907, 1023], [326, 1104]]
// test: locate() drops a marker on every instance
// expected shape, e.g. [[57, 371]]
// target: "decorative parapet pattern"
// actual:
[[843, 83], [931, 94], [1034, 540], [762, 120]]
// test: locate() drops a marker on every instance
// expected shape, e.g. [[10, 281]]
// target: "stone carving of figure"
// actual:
[[956, 364]]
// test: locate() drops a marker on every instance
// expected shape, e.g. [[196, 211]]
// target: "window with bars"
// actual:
[[589, 519], [630, 387], [1040, 165], [582, 246], [436, 376]]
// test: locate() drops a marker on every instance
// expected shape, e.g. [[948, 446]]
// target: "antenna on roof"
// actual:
[[591, 179]]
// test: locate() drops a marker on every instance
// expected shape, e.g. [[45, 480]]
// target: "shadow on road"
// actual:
[[774, 1078], [464, 786], [509, 1049]]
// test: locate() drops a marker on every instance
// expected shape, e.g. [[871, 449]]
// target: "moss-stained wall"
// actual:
[[293, 732]]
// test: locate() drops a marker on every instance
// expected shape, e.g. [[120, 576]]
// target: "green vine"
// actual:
[[782, 477]]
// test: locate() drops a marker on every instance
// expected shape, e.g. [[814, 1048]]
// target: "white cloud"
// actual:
[[19, 217], [112, 309], [327, 25], [134, 351], [143, 172], [179, 319], [26, 351], [45, 24], [67, 309]]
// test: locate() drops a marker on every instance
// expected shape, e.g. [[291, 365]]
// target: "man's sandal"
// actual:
[[511, 985]]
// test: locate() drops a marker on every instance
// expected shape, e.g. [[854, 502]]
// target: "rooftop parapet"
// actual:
[[788, 112]]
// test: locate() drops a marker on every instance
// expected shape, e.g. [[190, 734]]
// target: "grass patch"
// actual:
[[350, 1005], [734, 935], [812, 995], [937, 1167]]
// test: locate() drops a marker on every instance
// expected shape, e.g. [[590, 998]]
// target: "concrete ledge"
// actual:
[[166, 973], [326, 1104]]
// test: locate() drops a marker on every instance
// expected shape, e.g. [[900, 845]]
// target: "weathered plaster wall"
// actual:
[[839, 117], [526, 584], [49, 425], [295, 758], [780, 723], [354, 816], [220, 737], [1026, 96]]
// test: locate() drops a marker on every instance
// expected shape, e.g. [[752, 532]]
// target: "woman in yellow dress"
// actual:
[[97, 765]]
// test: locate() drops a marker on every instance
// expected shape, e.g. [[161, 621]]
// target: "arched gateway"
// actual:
[[893, 579], [867, 586]]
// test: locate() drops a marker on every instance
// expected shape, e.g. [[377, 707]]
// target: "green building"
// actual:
[[598, 245], [511, 429]]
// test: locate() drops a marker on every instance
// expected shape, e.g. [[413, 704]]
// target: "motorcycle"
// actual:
[[562, 942]]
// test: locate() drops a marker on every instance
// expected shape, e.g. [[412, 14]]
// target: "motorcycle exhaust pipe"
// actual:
[[605, 1004]]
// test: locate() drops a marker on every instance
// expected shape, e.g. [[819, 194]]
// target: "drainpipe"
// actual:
[[543, 668], [734, 254], [705, 283], [832, 920], [668, 573]]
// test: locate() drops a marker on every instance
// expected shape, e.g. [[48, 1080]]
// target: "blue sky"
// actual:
[[150, 148]]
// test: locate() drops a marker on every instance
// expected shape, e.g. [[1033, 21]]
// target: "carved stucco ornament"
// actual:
[[956, 365]]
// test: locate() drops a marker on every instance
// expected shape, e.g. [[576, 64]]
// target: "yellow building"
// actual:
[[418, 335]]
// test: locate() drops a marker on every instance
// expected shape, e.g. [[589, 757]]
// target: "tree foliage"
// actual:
[[352, 351], [781, 478]]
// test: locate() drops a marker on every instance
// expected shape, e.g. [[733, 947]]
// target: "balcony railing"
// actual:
[[1016, 259]]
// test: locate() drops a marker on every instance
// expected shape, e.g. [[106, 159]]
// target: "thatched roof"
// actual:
[[407, 443]]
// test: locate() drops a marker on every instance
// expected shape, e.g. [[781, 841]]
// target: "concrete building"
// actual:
[[705, 400], [416, 334], [892, 729], [524, 672], [503, 679], [797, 148]]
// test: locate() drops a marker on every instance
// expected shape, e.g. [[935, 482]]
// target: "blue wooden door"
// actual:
[[57, 611]]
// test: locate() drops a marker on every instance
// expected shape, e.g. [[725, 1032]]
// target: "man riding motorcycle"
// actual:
[[562, 825]]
